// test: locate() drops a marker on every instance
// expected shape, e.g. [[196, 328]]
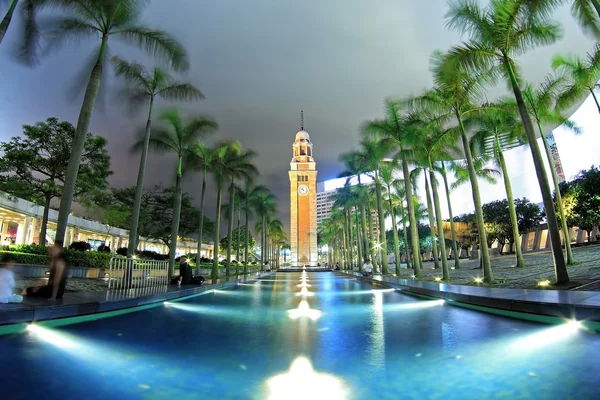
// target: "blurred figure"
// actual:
[[185, 272], [7, 281], [367, 268], [267, 267], [57, 281]]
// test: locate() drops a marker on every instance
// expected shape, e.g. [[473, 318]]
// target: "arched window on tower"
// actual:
[[302, 149]]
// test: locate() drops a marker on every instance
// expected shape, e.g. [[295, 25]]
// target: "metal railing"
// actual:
[[131, 273]]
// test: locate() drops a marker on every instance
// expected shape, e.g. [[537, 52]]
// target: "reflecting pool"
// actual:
[[302, 336]]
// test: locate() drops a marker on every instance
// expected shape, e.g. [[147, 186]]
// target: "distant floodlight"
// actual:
[[478, 279]]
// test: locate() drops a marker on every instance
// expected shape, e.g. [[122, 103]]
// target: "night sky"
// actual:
[[258, 63]]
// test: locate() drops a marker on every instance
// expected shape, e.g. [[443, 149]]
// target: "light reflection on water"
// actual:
[[380, 344]]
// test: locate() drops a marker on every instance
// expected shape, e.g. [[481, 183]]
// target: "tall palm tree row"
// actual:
[[144, 87], [116, 19], [178, 137]]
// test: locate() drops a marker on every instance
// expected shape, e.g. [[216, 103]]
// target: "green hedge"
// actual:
[[27, 258], [38, 255]]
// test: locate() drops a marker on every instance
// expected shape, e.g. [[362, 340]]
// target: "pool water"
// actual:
[[302, 336]]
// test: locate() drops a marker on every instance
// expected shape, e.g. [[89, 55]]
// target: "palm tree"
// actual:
[[30, 29], [388, 179], [101, 19], [498, 130], [541, 105], [450, 214], [374, 149], [393, 127], [355, 166], [498, 33], [342, 199], [144, 86], [587, 13], [264, 204], [229, 161], [238, 167], [583, 75], [453, 99], [399, 198], [177, 137], [252, 197], [202, 159]]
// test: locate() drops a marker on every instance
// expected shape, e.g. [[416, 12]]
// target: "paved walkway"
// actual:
[[585, 275]]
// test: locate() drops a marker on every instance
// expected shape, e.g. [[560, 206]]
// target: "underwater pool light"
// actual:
[[304, 310], [53, 337], [547, 336], [305, 292], [302, 382]]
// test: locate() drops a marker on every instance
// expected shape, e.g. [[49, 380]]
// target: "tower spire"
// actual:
[[301, 120]]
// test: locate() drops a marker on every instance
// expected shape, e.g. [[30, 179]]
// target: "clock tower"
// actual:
[[303, 201]]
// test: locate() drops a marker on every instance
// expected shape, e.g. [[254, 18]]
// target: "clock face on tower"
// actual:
[[302, 190]]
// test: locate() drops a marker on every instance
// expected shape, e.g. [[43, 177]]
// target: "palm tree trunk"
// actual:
[[201, 223], [7, 18], [371, 237], [488, 276], [83, 123], [350, 250], [365, 237], [263, 243], [139, 188], [230, 226], [175, 221], [239, 234], [395, 230], [452, 228], [246, 242], [359, 256], [434, 247], [405, 234], [44, 227], [383, 239], [214, 274], [440, 222], [559, 203], [512, 212], [414, 233], [560, 268], [595, 99]]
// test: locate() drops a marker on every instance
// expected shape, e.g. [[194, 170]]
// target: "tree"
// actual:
[[584, 194], [541, 105], [30, 28], [587, 13], [228, 157], [143, 87], [100, 20], [178, 137], [201, 159], [583, 75], [263, 202], [497, 34], [252, 196], [498, 129], [34, 167], [236, 244]]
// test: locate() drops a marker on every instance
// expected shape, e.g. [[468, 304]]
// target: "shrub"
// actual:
[[29, 249], [104, 248], [122, 251], [27, 258], [88, 259], [80, 246]]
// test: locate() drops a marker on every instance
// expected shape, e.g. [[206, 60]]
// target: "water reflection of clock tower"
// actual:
[[303, 202]]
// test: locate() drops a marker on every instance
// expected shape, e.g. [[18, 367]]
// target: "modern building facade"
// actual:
[[20, 223], [303, 202]]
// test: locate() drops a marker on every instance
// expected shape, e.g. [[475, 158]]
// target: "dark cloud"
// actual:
[[258, 63]]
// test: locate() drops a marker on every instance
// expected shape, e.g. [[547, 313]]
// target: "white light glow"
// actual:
[[302, 382], [305, 292], [304, 310], [478, 279], [382, 290], [416, 305], [547, 336], [304, 284], [53, 337]]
